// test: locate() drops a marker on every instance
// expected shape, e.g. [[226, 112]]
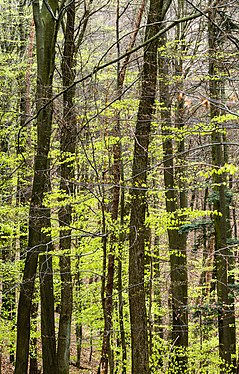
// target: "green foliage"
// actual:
[[214, 196], [98, 108], [196, 225], [226, 168]]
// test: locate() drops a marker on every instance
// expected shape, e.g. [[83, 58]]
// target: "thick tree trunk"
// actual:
[[39, 241], [67, 147], [226, 316], [177, 241], [107, 354], [137, 237]]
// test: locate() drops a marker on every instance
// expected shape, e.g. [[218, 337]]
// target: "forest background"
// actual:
[[119, 186]]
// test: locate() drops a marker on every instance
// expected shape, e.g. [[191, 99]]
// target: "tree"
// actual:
[[177, 240], [107, 354], [67, 148], [137, 238], [225, 299], [39, 241]]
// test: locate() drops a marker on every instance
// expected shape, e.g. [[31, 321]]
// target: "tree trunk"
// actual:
[[107, 354], [67, 147], [137, 236], [225, 299], [24, 182], [177, 241], [39, 241]]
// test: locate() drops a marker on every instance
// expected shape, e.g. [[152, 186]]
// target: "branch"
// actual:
[[122, 71], [203, 13], [47, 5], [98, 68]]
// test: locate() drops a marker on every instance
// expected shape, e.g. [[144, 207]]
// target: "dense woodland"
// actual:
[[119, 249]]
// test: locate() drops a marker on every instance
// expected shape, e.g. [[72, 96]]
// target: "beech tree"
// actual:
[[176, 201], [39, 242], [138, 237], [225, 298], [107, 354], [67, 147]]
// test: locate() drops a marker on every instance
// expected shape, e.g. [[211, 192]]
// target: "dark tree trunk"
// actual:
[[225, 298], [67, 147], [177, 241], [137, 237], [39, 241], [24, 182], [107, 354]]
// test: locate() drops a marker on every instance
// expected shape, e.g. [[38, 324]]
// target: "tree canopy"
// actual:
[[119, 186]]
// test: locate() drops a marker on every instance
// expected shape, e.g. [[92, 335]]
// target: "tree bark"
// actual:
[[68, 139], [107, 354], [137, 236], [225, 299], [176, 240], [39, 241]]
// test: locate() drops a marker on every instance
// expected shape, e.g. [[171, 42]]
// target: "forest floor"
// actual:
[[6, 366], [86, 367]]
